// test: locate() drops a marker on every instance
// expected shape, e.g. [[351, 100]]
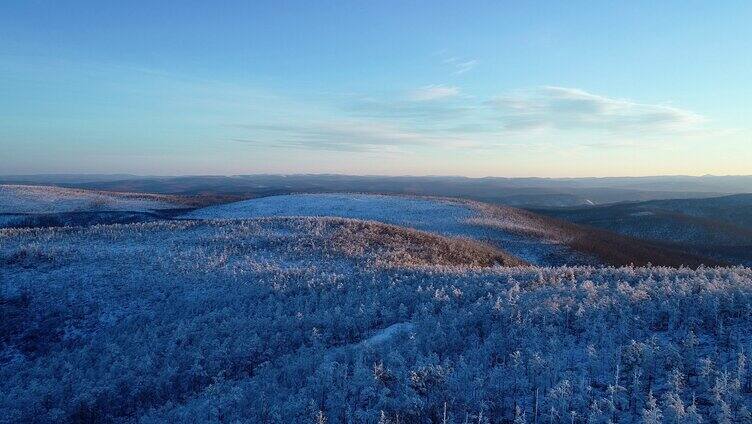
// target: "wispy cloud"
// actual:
[[428, 106], [465, 66], [460, 65], [433, 92], [351, 135], [438, 116], [573, 109]]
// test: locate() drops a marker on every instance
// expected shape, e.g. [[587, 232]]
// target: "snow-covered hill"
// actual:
[[449, 217], [719, 227], [23, 199], [424, 213], [285, 320]]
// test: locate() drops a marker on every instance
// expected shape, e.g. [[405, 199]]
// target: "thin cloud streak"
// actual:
[[562, 108], [354, 136], [433, 92], [460, 65]]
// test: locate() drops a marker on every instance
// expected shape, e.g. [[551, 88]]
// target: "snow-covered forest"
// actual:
[[282, 320]]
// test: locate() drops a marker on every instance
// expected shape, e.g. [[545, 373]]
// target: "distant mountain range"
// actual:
[[523, 192]]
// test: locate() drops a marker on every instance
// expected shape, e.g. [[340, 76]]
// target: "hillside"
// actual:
[[297, 319], [718, 227], [37, 206], [448, 217], [535, 238], [46, 199]]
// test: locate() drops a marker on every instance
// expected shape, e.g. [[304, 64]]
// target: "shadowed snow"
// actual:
[[20, 199]]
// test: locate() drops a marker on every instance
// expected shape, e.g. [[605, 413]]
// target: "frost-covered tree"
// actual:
[[675, 411], [519, 416], [692, 415], [651, 414]]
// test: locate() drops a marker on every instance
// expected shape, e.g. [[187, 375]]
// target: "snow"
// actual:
[[268, 320], [389, 333], [443, 216], [423, 214], [21, 199]]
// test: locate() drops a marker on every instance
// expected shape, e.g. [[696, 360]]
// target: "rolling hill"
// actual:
[[35, 206], [719, 227], [534, 238], [46, 199]]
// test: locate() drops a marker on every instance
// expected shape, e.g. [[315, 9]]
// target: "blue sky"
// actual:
[[390, 87]]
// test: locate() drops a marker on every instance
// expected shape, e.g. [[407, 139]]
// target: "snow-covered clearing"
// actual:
[[389, 333]]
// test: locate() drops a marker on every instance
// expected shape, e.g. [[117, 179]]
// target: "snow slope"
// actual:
[[443, 216], [22, 199]]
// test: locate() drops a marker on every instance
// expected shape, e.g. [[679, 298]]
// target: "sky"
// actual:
[[474, 88]]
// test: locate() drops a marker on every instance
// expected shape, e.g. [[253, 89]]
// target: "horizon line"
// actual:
[[125, 174]]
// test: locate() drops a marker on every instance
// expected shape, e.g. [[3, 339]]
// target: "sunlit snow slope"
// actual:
[[442, 216]]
